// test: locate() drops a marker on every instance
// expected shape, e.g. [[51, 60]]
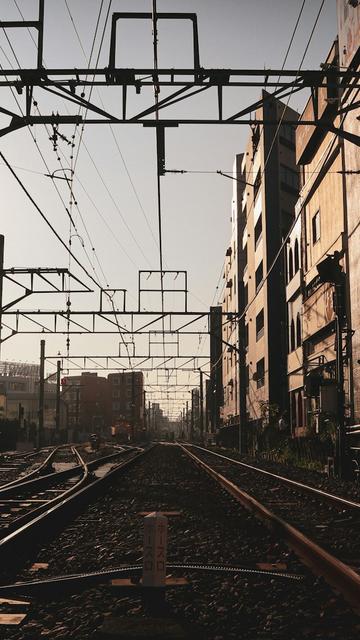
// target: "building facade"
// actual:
[[88, 405], [349, 57], [230, 411], [127, 401], [264, 207]]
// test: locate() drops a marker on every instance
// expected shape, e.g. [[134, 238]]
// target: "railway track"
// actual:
[[36, 504], [16, 466], [243, 581], [321, 527]]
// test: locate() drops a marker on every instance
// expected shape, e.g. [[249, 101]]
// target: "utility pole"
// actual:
[[77, 409], [201, 407], [2, 240], [145, 417], [58, 388], [187, 418], [133, 406], [41, 395], [330, 270], [192, 418]]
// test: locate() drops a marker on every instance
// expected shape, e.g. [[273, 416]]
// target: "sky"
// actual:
[[115, 171]]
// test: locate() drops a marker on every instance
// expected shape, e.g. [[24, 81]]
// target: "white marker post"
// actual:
[[155, 548]]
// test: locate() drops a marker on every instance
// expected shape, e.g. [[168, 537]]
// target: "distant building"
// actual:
[[230, 411], [88, 401], [127, 401], [19, 400]]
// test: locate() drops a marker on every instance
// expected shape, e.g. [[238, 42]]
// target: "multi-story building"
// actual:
[[294, 308], [88, 402], [322, 214], [265, 215], [230, 412], [127, 401], [19, 389], [349, 58]]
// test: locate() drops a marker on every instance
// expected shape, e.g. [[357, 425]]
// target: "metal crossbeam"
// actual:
[[41, 280]]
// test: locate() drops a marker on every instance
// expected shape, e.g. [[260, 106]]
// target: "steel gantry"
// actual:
[[180, 84]]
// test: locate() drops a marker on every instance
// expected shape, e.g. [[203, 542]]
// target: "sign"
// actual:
[[155, 549]]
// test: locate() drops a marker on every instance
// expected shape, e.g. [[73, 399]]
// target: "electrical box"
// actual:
[[328, 398]]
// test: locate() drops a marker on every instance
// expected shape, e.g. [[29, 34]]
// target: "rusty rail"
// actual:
[[336, 573]]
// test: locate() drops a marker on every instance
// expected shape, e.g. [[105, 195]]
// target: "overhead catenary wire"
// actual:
[[267, 159], [49, 224]]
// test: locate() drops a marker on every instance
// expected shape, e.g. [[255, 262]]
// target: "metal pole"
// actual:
[[145, 417], [133, 406], [192, 418], [2, 240], [201, 407], [187, 418], [41, 394], [340, 449], [58, 388]]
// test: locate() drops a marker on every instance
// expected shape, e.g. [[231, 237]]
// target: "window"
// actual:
[[259, 273], [258, 231], [287, 135], [291, 267], [315, 226], [246, 295], [260, 325], [296, 256], [289, 179], [260, 373], [245, 257], [246, 336], [298, 330], [257, 183], [292, 336]]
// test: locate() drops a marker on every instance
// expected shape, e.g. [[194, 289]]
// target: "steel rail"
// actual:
[[15, 546], [336, 573], [33, 473], [86, 580], [21, 520], [25, 483], [337, 501]]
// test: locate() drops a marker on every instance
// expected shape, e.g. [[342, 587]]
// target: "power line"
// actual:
[[42, 214]]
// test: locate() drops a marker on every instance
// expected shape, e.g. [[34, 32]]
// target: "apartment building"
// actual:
[[230, 411], [127, 400], [322, 214], [266, 214], [87, 401], [294, 301], [349, 58]]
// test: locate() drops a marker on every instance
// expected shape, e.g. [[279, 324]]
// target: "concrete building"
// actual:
[[88, 405], [295, 311], [322, 213], [19, 399], [127, 401], [230, 411], [349, 57], [265, 215]]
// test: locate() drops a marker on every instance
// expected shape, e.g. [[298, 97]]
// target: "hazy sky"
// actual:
[[196, 207]]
